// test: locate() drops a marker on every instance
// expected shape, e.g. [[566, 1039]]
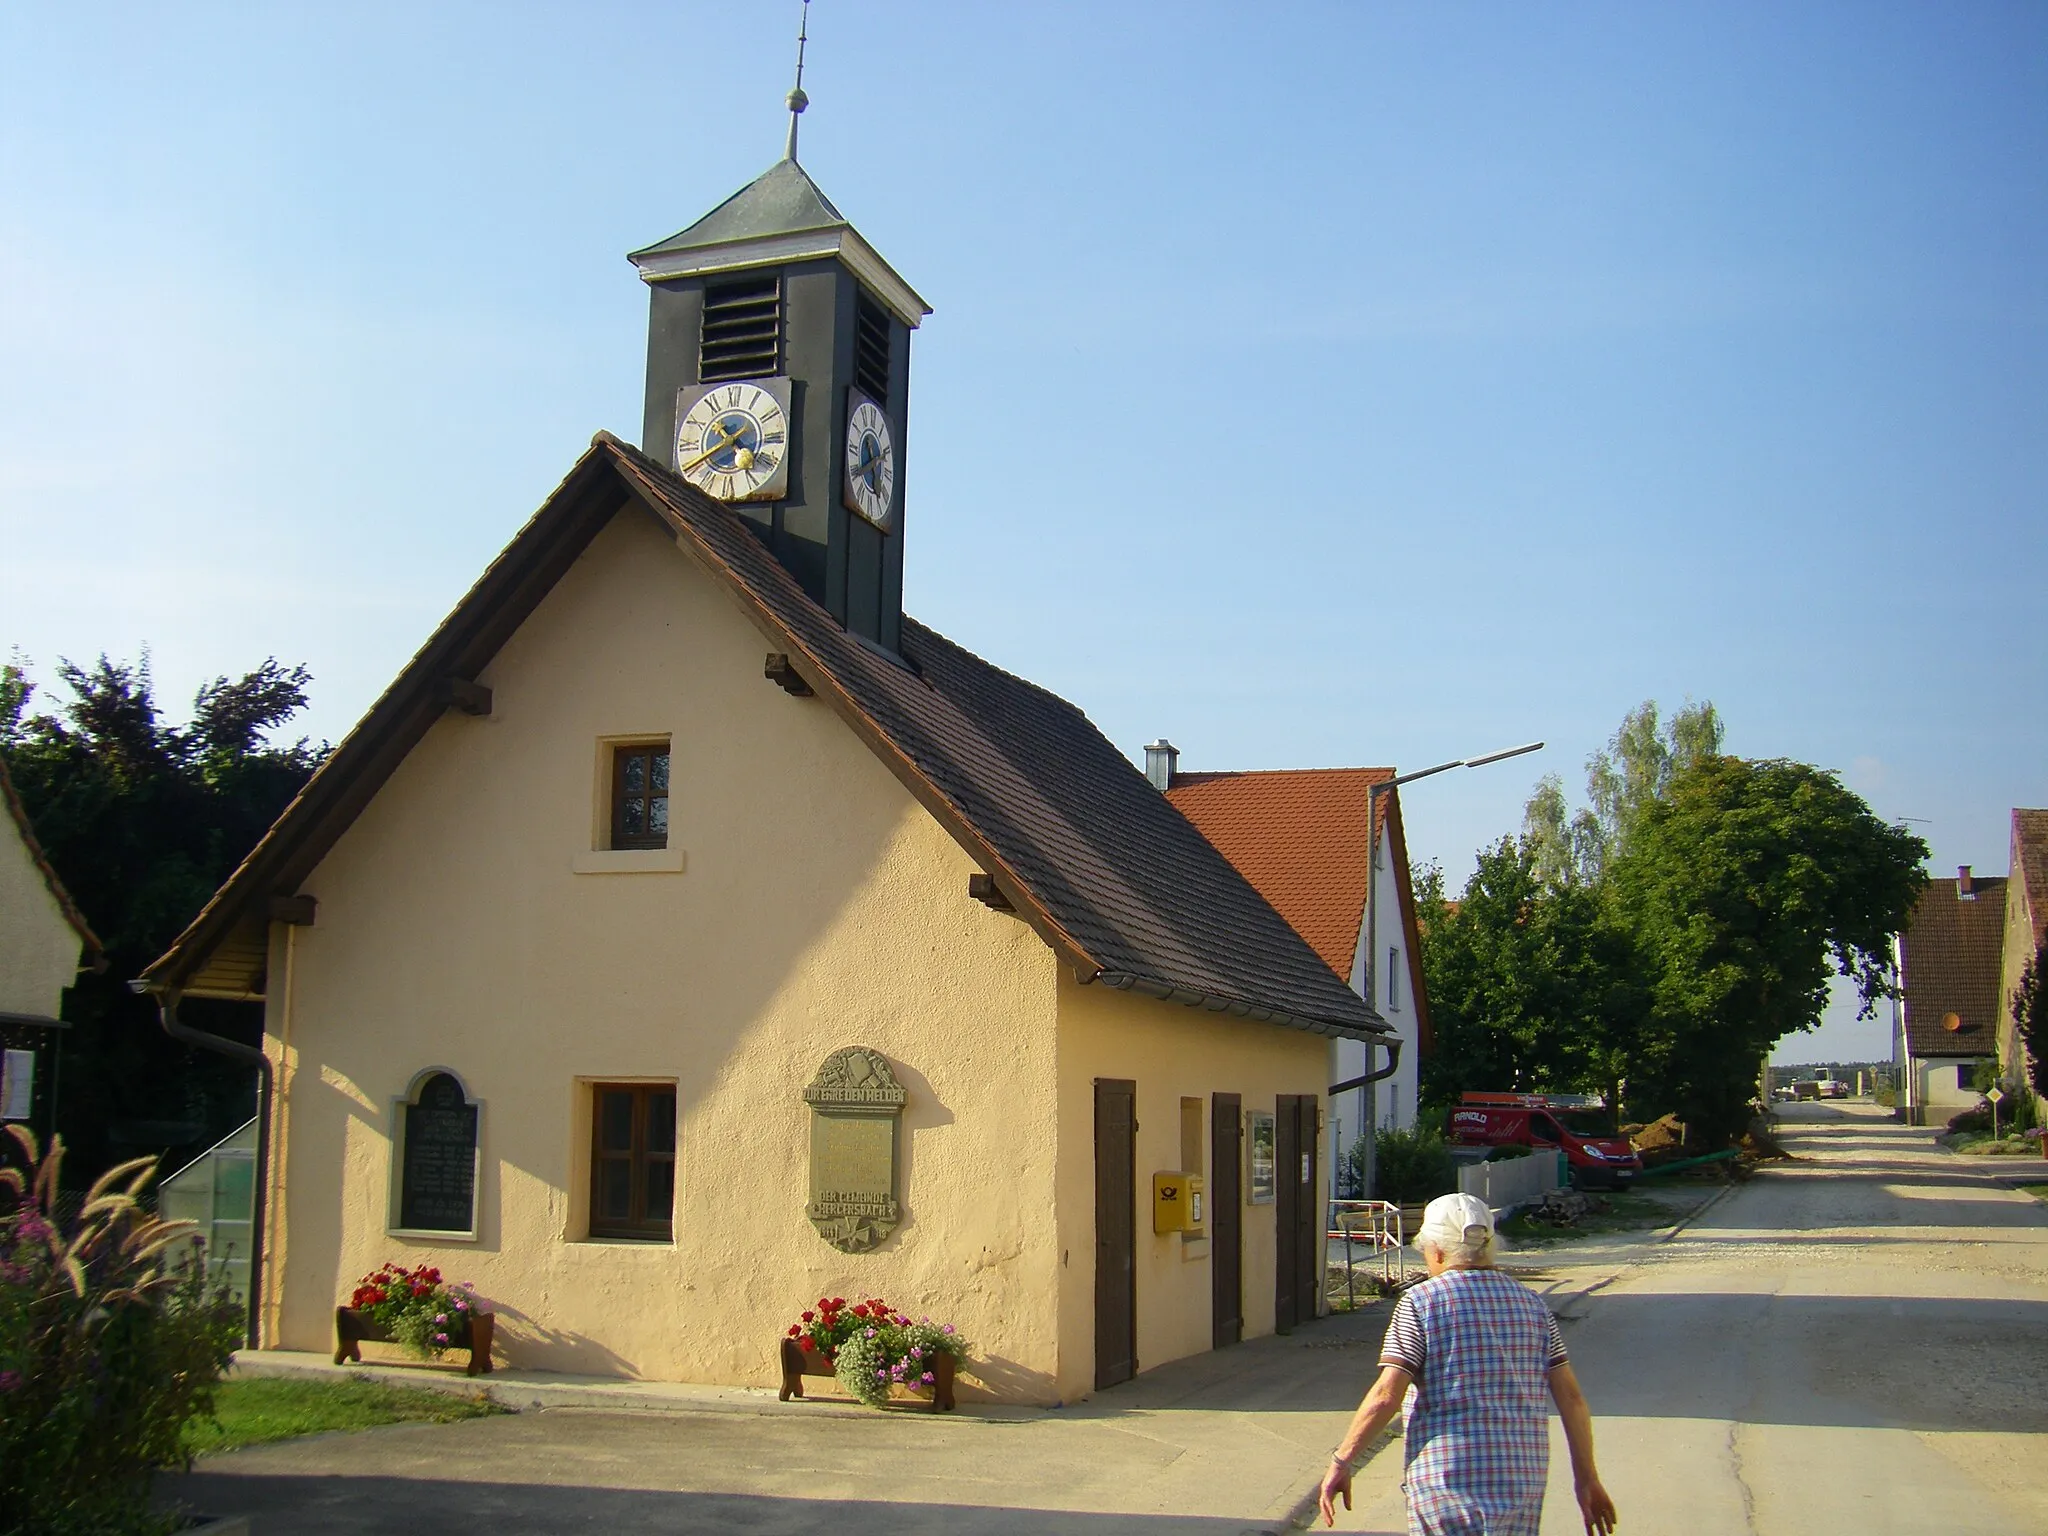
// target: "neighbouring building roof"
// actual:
[[1117, 882], [1302, 837], [2030, 865], [94, 954], [1949, 955]]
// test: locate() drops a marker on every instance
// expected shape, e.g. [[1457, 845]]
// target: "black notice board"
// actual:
[[437, 1185]]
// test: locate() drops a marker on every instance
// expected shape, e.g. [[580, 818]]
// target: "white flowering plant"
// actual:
[[892, 1351]]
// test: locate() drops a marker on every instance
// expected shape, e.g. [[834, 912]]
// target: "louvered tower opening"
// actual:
[[871, 349], [742, 337]]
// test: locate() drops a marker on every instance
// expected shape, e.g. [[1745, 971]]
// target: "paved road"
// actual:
[[1857, 1344], [1843, 1346]]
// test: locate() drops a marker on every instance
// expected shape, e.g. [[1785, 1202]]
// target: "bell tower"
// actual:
[[778, 371]]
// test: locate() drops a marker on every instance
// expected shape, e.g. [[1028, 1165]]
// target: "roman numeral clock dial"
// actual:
[[870, 462], [732, 439]]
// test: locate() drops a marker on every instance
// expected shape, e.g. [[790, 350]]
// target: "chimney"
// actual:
[[1966, 884], [1160, 760]]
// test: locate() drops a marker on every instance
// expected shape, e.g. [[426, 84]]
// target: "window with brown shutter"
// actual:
[[633, 1161], [640, 796]]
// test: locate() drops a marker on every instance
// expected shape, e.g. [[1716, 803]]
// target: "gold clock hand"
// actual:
[[715, 448]]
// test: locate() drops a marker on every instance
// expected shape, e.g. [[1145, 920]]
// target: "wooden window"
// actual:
[[640, 796], [1394, 978], [633, 1161]]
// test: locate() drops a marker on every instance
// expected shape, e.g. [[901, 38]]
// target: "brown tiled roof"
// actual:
[[1117, 882], [94, 952], [2030, 864], [1302, 837], [1950, 955]]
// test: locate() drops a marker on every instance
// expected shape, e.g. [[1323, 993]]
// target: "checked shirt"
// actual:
[[1480, 1347]]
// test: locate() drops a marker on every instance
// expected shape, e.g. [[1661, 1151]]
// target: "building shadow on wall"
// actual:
[[525, 1343], [1005, 1381]]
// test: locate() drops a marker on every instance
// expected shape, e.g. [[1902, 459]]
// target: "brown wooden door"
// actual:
[[1297, 1210], [1116, 1231], [1226, 1218]]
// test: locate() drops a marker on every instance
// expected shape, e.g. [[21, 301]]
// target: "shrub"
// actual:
[[1509, 1153], [104, 1353], [1413, 1165], [1975, 1122]]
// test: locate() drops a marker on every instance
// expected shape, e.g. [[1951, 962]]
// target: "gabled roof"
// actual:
[[93, 952], [1949, 956], [1119, 884], [2030, 865], [1302, 837]]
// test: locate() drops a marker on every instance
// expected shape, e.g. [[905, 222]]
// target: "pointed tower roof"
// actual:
[[779, 216]]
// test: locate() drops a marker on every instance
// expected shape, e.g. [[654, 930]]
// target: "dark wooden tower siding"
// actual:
[[776, 283]]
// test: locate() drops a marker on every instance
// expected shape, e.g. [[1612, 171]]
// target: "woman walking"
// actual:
[[1483, 1353]]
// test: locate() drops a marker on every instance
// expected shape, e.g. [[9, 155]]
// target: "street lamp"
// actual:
[[1372, 894]]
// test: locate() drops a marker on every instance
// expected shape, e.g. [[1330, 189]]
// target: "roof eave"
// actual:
[[841, 242], [329, 801], [1167, 992]]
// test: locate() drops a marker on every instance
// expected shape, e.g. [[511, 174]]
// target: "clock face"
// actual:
[[870, 462], [732, 440]]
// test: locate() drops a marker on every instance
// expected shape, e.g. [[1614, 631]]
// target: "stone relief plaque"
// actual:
[[856, 1103]]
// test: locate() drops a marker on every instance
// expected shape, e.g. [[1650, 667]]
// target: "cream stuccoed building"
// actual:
[[688, 932], [44, 943]]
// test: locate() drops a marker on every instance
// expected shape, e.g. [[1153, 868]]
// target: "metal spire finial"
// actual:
[[796, 98]]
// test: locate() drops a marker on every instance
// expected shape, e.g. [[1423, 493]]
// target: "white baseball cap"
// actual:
[[1456, 1219]]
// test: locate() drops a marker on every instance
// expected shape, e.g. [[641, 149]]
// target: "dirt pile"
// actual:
[[1662, 1135]]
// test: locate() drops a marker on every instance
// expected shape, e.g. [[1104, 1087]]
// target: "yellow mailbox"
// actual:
[[1177, 1202]]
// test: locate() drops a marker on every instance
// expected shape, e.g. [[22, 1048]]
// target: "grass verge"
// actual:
[[2038, 1191], [256, 1409]]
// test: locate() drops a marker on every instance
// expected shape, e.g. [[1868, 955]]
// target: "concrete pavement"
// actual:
[[1215, 1445], [1844, 1345], [1852, 1344]]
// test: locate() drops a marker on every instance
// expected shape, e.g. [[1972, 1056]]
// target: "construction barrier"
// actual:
[[1516, 1182]]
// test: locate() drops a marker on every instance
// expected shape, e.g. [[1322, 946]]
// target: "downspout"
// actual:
[[1393, 1048], [248, 1055]]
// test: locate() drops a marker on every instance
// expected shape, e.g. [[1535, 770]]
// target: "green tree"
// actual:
[[1531, 987], [143, 820], [1746, 884], [1633, 771]]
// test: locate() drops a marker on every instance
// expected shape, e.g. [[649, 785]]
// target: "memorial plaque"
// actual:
[[856, 1103], [437, 1179]]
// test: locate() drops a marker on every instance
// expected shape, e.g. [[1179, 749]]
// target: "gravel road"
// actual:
[[1853, 1343]]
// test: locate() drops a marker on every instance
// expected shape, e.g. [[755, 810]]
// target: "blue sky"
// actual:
[[1312, 384]]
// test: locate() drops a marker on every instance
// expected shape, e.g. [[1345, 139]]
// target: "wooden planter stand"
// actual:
[[352, 1328], [798, 1362]]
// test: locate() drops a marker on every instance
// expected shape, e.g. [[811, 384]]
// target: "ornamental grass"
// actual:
[[105, 1352]]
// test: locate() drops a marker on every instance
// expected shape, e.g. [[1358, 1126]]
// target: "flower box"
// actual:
[[798, 1362], [352, 1328]]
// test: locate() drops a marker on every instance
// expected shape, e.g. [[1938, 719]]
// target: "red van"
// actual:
[[1598, 1158]]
